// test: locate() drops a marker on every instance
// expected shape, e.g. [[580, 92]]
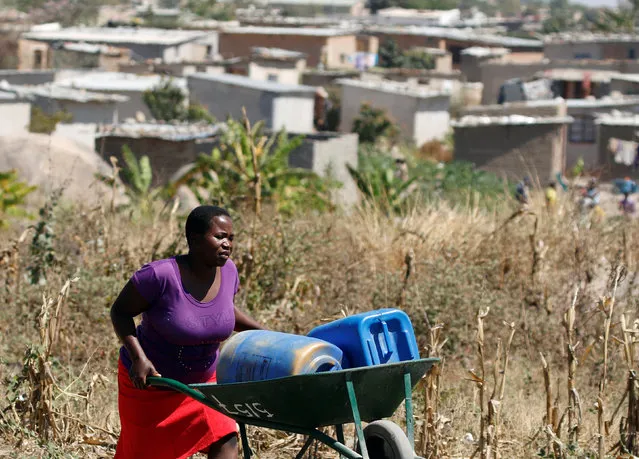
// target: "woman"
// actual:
[[187, 310]]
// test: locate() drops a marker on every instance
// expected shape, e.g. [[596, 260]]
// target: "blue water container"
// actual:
[[371, 338], [257, 355]]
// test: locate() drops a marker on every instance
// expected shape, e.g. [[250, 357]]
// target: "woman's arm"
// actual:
[[245, 322], [129, 304]]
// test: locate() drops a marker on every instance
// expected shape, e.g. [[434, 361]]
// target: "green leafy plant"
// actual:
[[456, 182], [167, 102], [42, 249], [373, 123], [13, 193], [138, 180], [390, 55], [379, 184], [42, 123], [249, 165], [418, 59]]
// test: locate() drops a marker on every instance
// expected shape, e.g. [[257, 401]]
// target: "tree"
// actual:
[[510, 7], [390, 56], [418, 59], [66, 12], [167, 102], [373, 123], [376, 5], [624, 19], [560, 16]]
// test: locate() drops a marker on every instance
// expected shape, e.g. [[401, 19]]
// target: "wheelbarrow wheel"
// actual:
[[386, 440]]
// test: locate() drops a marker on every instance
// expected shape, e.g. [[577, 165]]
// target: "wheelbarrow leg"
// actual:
[[339, 431], [246, 449], [410, 420], [356, 418], [309, 442]]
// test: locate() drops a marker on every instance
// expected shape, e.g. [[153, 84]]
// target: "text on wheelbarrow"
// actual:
[[249, 410]]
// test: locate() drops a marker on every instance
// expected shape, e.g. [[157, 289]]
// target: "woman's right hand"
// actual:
[[140, 369]]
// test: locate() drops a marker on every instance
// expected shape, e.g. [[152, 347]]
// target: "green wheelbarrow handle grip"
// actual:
[[157, 381]]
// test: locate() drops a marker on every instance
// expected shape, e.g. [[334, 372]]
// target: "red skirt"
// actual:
[[164, 424]]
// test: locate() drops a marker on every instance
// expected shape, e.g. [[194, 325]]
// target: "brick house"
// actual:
[[331, 47]]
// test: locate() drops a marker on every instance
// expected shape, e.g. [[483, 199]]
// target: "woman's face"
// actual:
[[216, 245]]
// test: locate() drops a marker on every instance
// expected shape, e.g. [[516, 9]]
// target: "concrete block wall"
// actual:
[[16, 117], [329, 153], [289, 111], [494, 73], [624, 87], [550, 109], [27, 77], [595, 51], [419, 119], [82, 112], [513, 150], [166, 156]]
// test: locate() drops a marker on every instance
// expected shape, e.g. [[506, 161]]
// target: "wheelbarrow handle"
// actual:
[[168, 383]]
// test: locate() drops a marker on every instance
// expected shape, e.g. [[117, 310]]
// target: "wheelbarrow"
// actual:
[[304, 403]]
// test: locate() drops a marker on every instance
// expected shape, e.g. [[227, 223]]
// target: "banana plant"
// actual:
[[251, 165], [138, 180], [380, 186]]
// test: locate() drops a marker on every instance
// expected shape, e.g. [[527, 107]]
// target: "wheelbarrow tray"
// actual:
[[311, 400]]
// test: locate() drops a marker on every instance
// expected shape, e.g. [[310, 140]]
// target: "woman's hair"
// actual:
[[200, 219]]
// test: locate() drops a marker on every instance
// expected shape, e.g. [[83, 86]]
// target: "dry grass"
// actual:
[[443, 265]]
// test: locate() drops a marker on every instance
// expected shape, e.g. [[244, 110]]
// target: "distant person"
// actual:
[[551, 195], [626, 205], [590, 195], [522, 191], [187, 309]]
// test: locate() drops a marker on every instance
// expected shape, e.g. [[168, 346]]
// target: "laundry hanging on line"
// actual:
[[624, 151]]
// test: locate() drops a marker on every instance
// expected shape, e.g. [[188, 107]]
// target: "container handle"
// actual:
[[387, 339]]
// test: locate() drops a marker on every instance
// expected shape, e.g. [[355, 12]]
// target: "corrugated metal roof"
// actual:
[[90, 48], [327, 3], [603, 102], [117, 35], [596, 76], [472, 121], [394, 87], [312, 32], [53, 91], [116, 81], [629, 77], [461, 35], [618, 119], [7, 96], [245, 82], [590, 37], [173, 132]]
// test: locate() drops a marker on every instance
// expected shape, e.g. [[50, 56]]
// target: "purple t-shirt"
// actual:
[[180, 335]]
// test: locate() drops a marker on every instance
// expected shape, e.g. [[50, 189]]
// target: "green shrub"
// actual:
[[42, 123], [373, 123], [13, 193]]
